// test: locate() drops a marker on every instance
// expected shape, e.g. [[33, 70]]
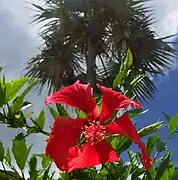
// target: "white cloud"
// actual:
[[166, 13]]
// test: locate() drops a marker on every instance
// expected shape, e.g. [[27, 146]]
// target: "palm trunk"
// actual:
[[91, 66]]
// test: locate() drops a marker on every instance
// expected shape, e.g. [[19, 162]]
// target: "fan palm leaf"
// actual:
[[112, 26]]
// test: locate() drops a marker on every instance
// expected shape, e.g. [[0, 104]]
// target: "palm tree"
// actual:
[[89, 39]]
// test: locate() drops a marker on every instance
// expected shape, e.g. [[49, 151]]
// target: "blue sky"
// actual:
[[166, 100], [18, 43]]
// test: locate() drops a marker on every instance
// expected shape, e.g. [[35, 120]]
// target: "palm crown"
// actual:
[[109, 27]]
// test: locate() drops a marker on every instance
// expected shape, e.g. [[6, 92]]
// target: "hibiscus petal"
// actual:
[[112, 100], [124, 127], [77, 95], [92, 155], [65, 133]]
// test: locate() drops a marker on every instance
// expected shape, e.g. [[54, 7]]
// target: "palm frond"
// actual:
[[114, 26]]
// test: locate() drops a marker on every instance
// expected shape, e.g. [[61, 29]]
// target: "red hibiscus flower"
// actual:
[[66, 132]]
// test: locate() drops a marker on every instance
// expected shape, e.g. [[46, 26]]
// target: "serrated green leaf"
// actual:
[[151, 143], [164, 165], [32, 166], [20, 151], [118, 79], [18, 102], [173, 124], [53, 112], [1, 151], [13, 87], [41, 119]]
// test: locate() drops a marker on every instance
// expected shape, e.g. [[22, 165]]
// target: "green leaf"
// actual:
[[61, 110], [20, 151], [165, 176], [18, 102], [64, 176], [1, 68], [151, 143], [2, 94], [151, 172], [1, 151], [118, 80], [129, 59], [175, 174], [134, 158], [45, 175], [13, 87], [127, 172], [138, 172], [2, 117], [80, 113], [45, 160], [160, 145], [9, 175], [33, 165], [8, 156], [173, 124], [171, 169], [150, 129], [53, 112], [41, 119], [136, 112], [168, 118], [121, 144], [163, 166]]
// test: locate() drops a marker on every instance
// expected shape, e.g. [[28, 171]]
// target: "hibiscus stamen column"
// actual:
[[94, 133]]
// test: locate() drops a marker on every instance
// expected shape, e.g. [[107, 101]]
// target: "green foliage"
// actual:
[[41, 119], [61, 110], [20, 151], [40, 167], [8, 156], [151, 143], [1, 151], [13, 87], [124, 70], [160, 145], [162, 170], [172, 122], [19, 101], [33, 168], [150, 128], [53, 112], [9, 175]]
